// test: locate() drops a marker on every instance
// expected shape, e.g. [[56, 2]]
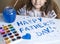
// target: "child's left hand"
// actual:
[[52, 14]]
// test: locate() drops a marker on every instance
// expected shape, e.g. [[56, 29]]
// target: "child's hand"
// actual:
[[52, 14], [22, 11]]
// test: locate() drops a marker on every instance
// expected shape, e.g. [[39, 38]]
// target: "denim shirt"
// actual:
[[34, 13]]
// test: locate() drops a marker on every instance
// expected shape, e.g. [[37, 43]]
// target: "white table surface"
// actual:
[[37, 41]]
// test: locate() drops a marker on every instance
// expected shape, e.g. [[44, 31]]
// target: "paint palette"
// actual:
[[9, 34]]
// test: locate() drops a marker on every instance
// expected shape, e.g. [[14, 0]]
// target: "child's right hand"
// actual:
[[22, 11]]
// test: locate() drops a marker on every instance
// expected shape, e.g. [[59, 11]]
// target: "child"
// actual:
[[40, 8]]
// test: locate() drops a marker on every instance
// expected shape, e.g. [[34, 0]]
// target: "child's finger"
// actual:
[[18, 12]]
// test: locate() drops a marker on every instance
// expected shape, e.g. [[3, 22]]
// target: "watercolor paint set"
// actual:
[[9, 34]]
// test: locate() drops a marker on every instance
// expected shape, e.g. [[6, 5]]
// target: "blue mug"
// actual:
[[9, 14]]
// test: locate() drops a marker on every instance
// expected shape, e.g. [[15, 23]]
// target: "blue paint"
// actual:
[[0, 27], [54, 27], [22, 23], [9, 14], [15, 32], [5, 35], [19, 23], [27, 29], [25, 22], [31, 27], [51, 22], [45, 24], [50, 27], [39, 33], [9, 33], [27, 36], [30, 21], [40, 19], [13, 39], [21, 30], [34, 20], [38, 26], [13, 29], [44, 31]]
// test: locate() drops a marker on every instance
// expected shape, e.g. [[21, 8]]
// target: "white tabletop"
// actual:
[[50, 38]]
